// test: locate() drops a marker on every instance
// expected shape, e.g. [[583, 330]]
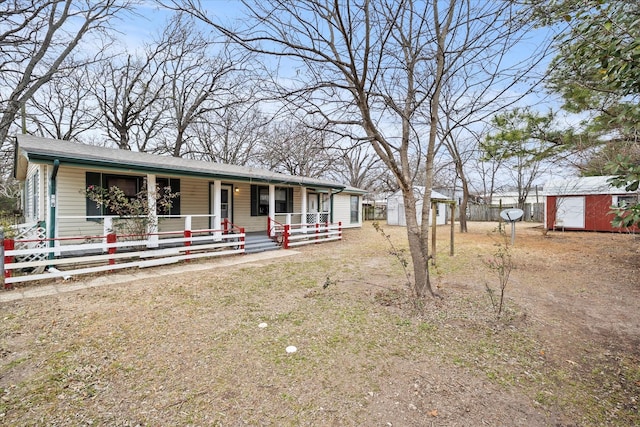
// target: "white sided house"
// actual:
[[214, 199], [396, 211]]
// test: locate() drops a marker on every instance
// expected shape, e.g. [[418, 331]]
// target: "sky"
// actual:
[[149, 20]]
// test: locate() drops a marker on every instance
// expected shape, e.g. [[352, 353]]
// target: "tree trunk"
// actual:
[[418, 246], [465, 200]]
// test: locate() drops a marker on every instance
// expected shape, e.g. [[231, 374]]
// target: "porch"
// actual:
[[31, 256]]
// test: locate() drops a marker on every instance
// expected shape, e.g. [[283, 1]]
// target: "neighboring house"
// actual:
[[509, 199], [396, 212], [56, 173], [583, 203]]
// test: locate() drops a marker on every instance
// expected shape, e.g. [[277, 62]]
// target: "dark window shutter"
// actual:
[[254, 200], [92, 208], [290, 199]]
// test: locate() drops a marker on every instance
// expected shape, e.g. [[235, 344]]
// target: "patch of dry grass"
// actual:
[[189, 350]]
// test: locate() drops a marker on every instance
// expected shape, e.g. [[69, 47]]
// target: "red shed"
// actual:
[[584, 203]]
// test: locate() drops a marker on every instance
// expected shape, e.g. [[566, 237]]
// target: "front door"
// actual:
[[312, 207], [226, 192]]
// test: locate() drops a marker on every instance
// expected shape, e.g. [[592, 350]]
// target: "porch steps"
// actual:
[[254, 243]]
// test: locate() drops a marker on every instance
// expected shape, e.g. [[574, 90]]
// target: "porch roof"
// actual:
[[581, 186], [45, 150]]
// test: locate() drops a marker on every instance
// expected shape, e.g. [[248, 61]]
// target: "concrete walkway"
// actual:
[[60, 287]]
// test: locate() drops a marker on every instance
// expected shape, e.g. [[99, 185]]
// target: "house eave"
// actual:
[[195, 169], [144, 169]]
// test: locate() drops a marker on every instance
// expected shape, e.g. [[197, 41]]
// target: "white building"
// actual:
[[396, 211]]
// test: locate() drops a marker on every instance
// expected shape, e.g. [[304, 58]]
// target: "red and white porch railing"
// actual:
[[91, 254], [304, 233], [110, 251]]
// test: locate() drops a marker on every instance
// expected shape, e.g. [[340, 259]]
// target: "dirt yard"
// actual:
[[209, 348]]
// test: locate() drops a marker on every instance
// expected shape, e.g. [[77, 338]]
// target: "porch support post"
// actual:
[[272, 205], [303, 208], [152, 225], [217, 207]]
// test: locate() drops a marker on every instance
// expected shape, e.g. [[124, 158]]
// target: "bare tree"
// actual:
[[375, 70], [296, 148], [130, 96], [36, 38], [488, 82], [360, 168], [461, 145], [230, 135], [63, 108], [489, 172], [203, 75]]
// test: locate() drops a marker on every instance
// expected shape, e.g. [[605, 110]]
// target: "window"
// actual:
[[624, 201], [281, 199], [355, 209], [263, 201], [130, 186], [32, 199], [173, 185], [260, 200]]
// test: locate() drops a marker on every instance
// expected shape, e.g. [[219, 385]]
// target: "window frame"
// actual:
[[628, 200], [102, 180], [354, 215], [260, 203], [174, 184]]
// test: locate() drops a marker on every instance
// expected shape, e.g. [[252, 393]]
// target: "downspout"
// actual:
[[52, 206]]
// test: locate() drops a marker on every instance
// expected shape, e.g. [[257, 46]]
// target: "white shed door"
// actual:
[[570, 211]]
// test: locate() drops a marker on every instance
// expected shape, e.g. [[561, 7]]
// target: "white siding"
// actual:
[[342, 210], [35, 195], [195, 199], [71, 205], [242, 210], [43, 192]]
